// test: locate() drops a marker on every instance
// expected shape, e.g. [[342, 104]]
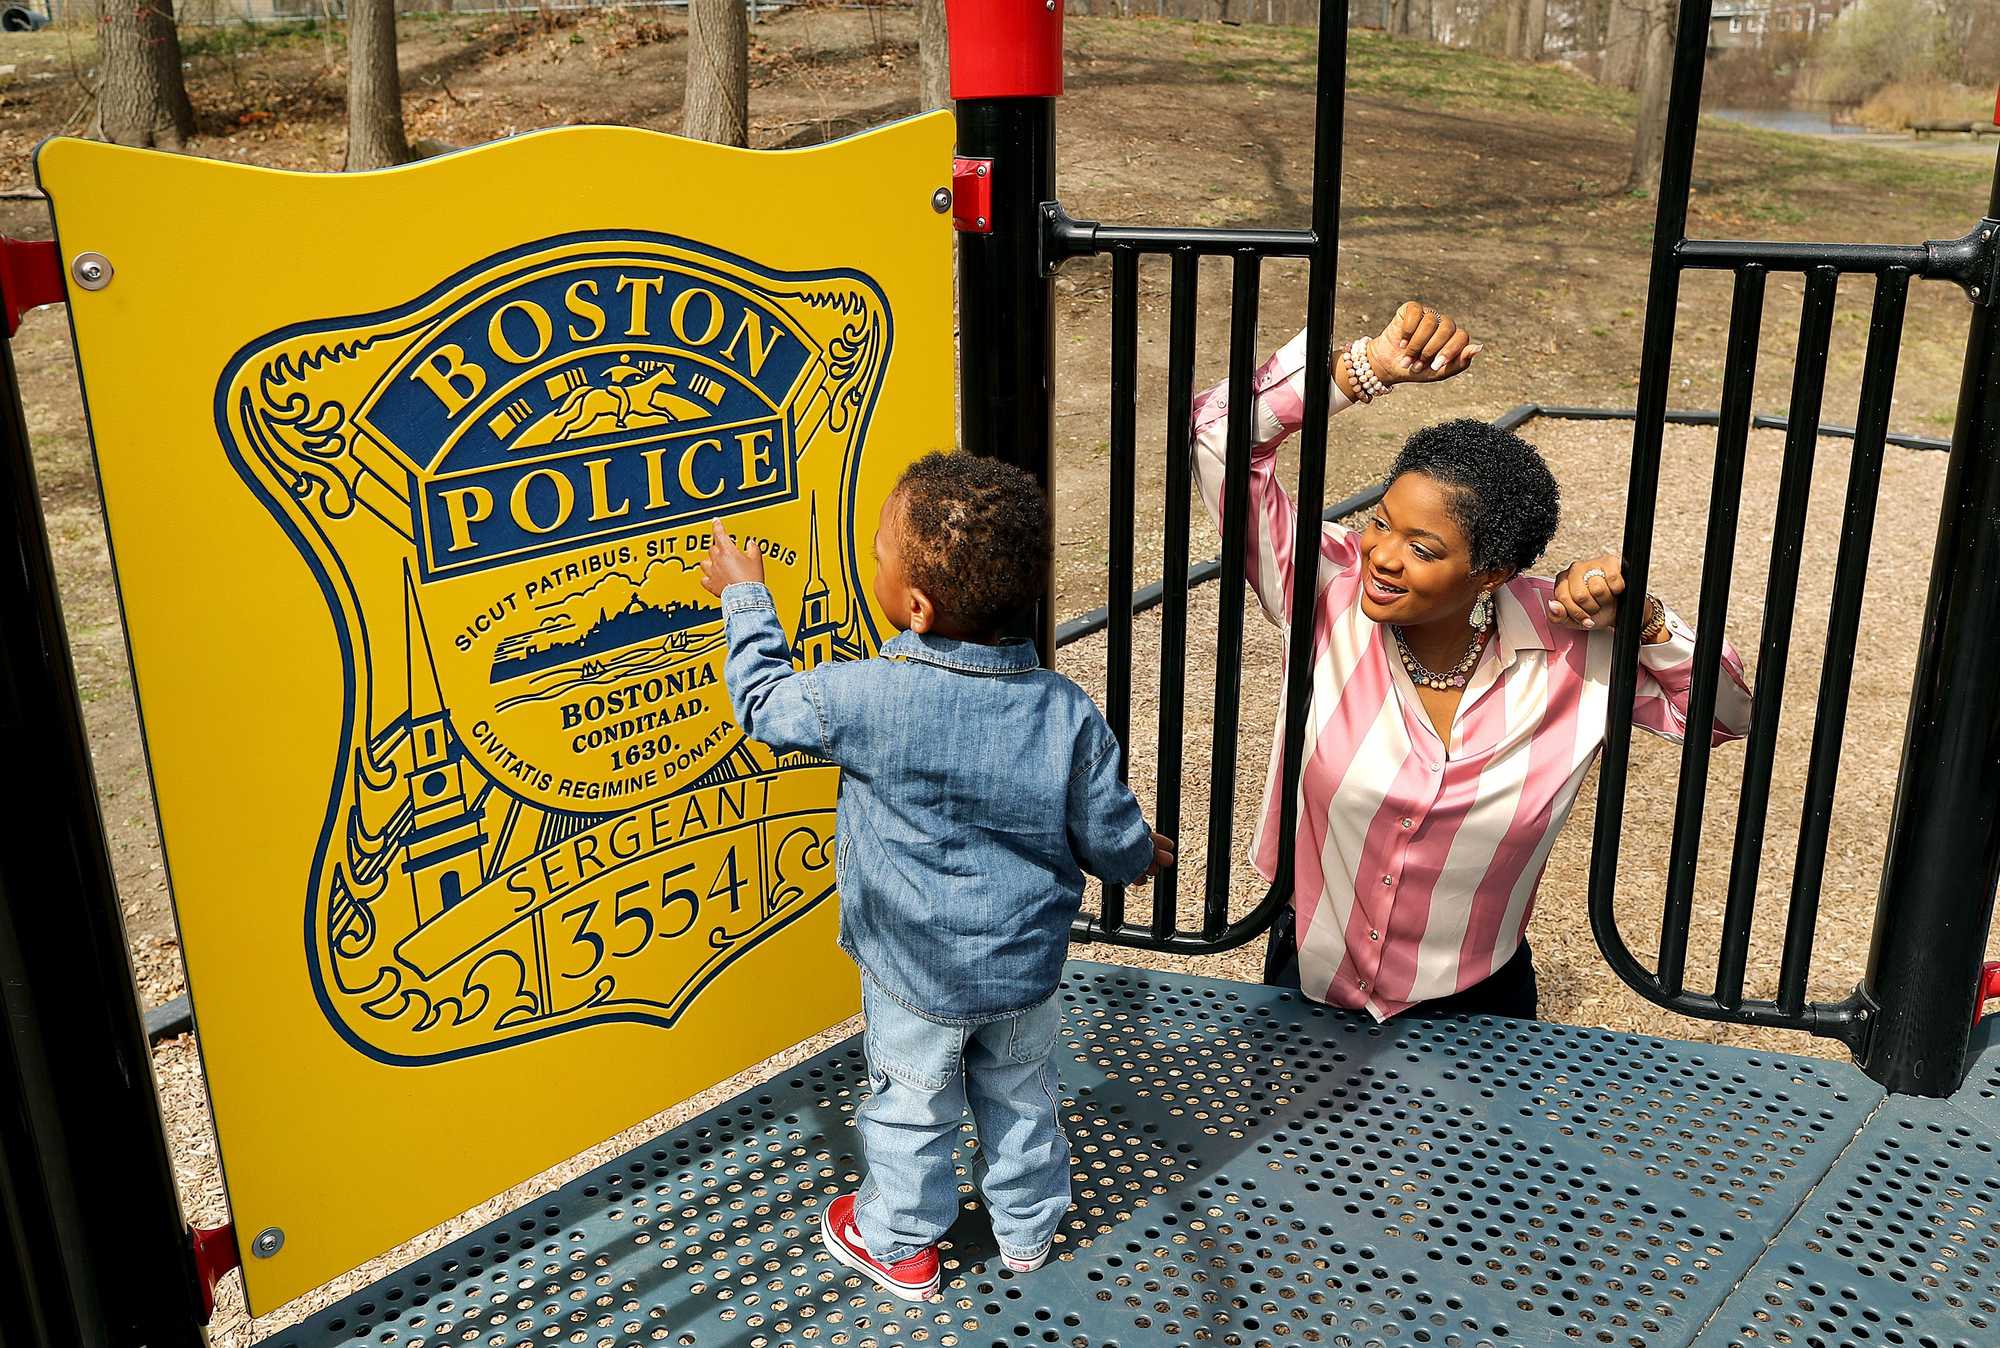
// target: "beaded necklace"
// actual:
[[1456, 677]]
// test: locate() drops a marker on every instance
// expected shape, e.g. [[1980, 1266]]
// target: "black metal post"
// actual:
[[93, 1247], [1006, 311], [1329, 117], [1936, 900]]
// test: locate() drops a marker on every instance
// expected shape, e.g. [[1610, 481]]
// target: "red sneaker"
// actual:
[[913, 1279]]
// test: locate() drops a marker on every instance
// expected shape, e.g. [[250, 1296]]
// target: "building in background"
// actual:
[[1737, 24]]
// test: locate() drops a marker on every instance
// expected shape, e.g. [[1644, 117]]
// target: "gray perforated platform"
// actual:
[[1250, 1168], [1979, 1096], [1899, 1244]]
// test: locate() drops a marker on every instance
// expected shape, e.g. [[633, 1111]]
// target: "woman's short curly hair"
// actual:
[[1501, 493], [975, 537]]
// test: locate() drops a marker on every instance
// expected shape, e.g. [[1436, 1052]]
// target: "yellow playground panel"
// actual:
[[472, 866]]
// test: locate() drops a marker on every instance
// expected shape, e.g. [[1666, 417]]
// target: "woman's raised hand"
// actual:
[[1421, 346], [1586, 593]]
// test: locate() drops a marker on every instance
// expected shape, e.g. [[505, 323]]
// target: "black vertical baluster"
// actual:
[[1174, 577], [1229, 597], [1850, 578], [1739, 375], [1780, 600], [1124, 402], [1320, 268]]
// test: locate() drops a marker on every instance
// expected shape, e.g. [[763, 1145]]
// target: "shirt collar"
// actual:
[[1520, 621], [1013, 656]]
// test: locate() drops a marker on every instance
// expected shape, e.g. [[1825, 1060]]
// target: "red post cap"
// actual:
[[1989, 988], [1005, 48]]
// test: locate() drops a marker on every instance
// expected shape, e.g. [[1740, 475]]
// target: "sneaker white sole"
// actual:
[[1025, 1265], [845, 1256]]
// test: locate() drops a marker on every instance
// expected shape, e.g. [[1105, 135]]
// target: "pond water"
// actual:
[[1807, 119]]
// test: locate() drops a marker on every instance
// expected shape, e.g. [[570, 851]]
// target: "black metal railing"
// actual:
[[1960, 583], [1973, 262], [1948, 796]]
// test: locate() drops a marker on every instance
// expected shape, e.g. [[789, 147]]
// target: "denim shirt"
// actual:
[[976, 789]]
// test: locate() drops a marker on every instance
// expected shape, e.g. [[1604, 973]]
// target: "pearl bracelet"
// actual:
[[1361, 393], [1363, 372]]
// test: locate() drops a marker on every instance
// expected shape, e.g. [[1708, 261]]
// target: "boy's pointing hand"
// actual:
[[727, 564]]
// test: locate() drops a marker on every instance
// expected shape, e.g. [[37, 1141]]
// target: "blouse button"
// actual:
[[1374, 935], [1387, 880], [1362, 985], [1408, 823]]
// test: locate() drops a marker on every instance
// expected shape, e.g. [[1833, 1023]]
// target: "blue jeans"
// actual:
[[922, 1078]]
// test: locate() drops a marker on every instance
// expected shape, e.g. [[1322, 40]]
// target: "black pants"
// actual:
[[1508, 991]]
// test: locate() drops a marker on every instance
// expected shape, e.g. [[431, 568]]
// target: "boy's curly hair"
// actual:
[[975, 537]]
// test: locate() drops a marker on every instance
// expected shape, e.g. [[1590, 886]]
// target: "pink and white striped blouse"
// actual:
[[1417, 862]]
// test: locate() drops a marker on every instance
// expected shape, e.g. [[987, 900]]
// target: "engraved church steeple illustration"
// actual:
[[444, 846], [819, 637]]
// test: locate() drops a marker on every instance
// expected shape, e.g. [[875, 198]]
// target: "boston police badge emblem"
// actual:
[[544, 816], [407, 477]]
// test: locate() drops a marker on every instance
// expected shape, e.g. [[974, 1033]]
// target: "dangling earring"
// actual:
[[1482, 611]]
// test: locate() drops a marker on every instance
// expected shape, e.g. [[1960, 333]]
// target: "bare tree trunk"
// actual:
[[141, 96], [718, 72], [1399, 16], [1625, 35], [375, 136], [1655, 80], [1517, 28], [1536, 37], [1426, 26], [933, 67], [1589, 30]]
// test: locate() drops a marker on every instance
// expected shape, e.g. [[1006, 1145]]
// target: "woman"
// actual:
[[1457, 702]]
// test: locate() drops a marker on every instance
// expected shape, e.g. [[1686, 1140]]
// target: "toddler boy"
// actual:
[[976, 790]]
